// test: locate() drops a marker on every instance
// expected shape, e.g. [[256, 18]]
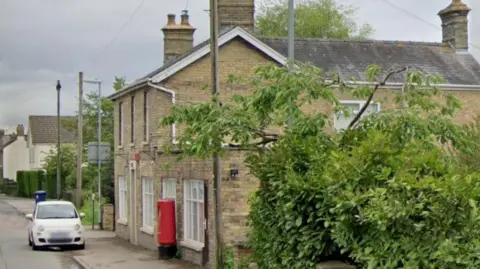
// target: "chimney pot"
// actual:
[[185, 18], [455, 25], [171, 19], [20, 130], [178, 38]]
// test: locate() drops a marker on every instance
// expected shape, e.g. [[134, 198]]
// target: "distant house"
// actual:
[[15, 153], [42, 137], [5, 140]]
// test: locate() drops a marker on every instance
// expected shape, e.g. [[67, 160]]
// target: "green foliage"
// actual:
[[90, 210], [229, 260], [387, 192], [29, 182], [8, 187], [313, 18], [51, 185], [472, 159], [90, 126], [67, 170]]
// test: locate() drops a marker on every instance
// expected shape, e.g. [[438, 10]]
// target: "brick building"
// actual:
[[140, 177]]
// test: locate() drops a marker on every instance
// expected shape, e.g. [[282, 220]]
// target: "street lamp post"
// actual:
[[59, 87], [99, 136]]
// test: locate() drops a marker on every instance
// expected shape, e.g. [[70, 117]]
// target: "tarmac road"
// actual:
[[14, 250]]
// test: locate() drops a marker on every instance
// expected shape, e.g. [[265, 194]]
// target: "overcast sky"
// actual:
[[46, 40]]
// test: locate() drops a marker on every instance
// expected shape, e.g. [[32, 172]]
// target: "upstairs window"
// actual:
[[145, 116], [120, 123], [342, 121], [132, 117]]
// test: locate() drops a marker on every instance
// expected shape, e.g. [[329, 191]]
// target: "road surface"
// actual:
[[14, 250]]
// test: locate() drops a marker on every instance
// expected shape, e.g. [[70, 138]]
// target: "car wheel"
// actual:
[[34, 247], [81, 247], [29, 241]]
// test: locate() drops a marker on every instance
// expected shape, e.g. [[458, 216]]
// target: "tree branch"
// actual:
[[263, 142], [369, 100]]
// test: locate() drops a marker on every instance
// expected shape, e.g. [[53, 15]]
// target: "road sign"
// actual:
[[104, 152]]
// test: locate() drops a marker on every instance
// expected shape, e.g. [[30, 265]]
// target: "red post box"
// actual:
[[166, 234]]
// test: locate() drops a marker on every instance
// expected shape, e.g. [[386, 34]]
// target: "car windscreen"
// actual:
[[56, 211]]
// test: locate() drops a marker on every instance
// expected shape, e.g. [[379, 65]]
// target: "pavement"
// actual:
[[119, 254], [103, 249]]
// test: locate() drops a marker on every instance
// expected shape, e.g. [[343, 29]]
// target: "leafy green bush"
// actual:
[[51, 185], [21, 185], [387, 192], [383, 194], [8, 187], [29, 182], [91, 213]]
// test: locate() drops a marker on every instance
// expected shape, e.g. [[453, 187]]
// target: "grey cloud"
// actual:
[[46, 40]]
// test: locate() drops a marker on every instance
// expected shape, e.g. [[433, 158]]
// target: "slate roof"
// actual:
[[44, 130], [350, 58]]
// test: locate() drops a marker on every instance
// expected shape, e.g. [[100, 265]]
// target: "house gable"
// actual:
[[205, 49]]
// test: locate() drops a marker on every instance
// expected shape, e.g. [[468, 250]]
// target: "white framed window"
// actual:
[[341, 121], [147, 203], [146, 118], [194, 209], [132, 119], [120, 123], [122, 199], [169, 189]]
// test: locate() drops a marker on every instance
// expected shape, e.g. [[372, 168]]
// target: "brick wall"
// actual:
[[236, 13], [235, 57], [108, 217]]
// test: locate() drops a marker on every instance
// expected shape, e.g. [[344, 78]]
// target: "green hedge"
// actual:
[[29, 182], [8, 187], [51, 185]]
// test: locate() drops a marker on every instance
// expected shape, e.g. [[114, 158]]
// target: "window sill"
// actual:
[[145, 143], [123, 222], [194, 245], [120, 147], [132, 145], [147, 230]]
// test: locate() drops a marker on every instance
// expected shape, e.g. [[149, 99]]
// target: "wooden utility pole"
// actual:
[[78, 191], [216, 159], [291, 41]]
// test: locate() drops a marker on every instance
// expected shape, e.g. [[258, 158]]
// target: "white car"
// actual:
[[55, 224]]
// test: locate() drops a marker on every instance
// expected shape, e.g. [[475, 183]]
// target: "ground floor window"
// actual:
[[169, 189], [147, 203], [194, 218], [122, 198]]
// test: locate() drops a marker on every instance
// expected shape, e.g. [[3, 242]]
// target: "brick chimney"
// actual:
[[20, 130], [233, 13], [178, 38], [455, 25]]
